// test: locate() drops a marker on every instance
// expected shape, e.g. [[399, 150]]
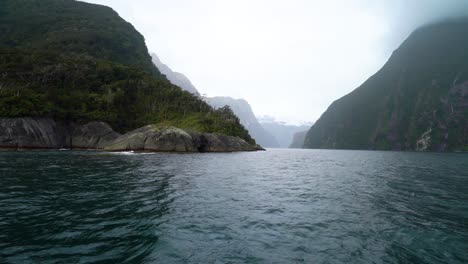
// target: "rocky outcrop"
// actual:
[[205, 142], [94, 135], [170, 139], [33, 133], [46, 133], [154, 138]]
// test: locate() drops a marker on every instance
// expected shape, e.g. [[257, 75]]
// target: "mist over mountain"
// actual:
[[403, 16], [244, 111], [298, 139], [240, 107], [282, 131], [417, 101], [107, 155], [175, 78], [316, 40]]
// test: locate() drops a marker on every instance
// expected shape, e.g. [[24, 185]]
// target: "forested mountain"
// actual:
[[81, 62], [176, 78], [242, 109], [72, 28], [417, 101]]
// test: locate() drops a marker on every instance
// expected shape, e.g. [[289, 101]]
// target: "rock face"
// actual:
[[298, 140], [205, 142], [46, 133], [417, 101], [33, 133], [94, 135], [170, 139], [153, 138]]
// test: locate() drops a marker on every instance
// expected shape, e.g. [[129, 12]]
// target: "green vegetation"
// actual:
[[73, 28], [423, 86], [80, 62]]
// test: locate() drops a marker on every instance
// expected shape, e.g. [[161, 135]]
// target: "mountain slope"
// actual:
[[242, 109], [72, 27], [81, 62], [417, 101], [176, 78]]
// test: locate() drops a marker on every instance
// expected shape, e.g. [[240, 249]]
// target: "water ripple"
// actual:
[[280, 206]]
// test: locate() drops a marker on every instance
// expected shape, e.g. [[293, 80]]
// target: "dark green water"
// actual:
[[280, 206]]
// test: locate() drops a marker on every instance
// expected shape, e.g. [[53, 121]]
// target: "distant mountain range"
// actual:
[[282, 131], [269, 134], [417, 101], [244, 111]]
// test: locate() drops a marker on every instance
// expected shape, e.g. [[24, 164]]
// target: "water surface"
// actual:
[[279, 206]]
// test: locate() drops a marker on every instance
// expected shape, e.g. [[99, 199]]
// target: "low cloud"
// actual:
[[289, 58]]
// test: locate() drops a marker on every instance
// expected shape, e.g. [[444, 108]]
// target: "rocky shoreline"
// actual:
[[47, 133]]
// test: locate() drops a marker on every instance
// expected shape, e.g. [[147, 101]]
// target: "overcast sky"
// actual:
[[289, 59]]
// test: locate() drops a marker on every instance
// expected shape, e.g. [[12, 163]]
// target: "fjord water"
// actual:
[[279, 206]]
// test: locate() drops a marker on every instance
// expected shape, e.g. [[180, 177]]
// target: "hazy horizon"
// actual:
[[289, 59]]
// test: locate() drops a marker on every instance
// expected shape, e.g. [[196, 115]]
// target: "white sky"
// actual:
[[289, 59]]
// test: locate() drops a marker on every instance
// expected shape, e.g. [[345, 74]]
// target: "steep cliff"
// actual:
[[298, 140], [417, 101]]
